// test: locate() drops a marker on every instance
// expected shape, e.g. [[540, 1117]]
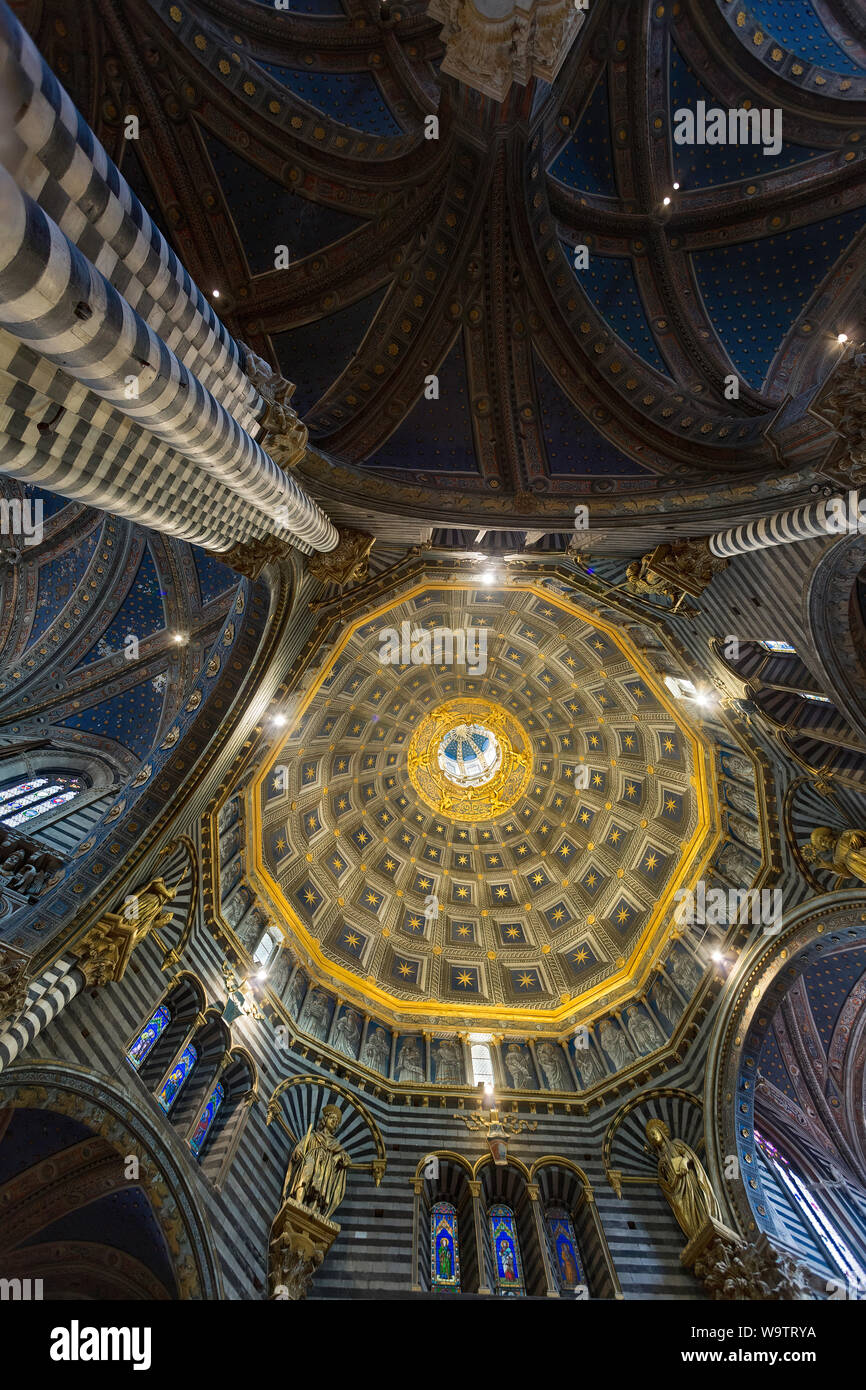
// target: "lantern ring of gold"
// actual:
[[495, 797]]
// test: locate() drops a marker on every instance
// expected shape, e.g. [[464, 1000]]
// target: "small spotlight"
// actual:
[[488, 1088], [717, 957], [279, 720], [261, 975], [676, 185], [181, 638], [489, 577], [842, 338], [666, 202], [215, 293]]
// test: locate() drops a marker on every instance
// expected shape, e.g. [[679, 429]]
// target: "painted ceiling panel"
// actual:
[[123, 1220], [704, 166], [586, 161], [437, 434], [352, 98], [58, 580], [142, 613], [213, 576], [131, 718], [795, 23], [573, 444], [828, 983], [771, 1065], [52, 502], [753, 292], [34, 1135], [314, 354], [611, 285], [268, 215]]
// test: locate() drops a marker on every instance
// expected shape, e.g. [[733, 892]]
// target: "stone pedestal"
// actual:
[[299, 1242], [730, 1269]]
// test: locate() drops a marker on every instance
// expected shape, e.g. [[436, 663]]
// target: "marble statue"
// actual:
[[643, 1030], [588, 1066], [683, 1181], [316, 1015], [449, 1069], [553, 1065], [664, 998], [377, 1050], [518, 1067], [686, 971], [316, 1175], [410, 1066], [347, 1034], [615, 1043]]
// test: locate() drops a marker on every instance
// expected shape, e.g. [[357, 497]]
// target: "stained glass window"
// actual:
[[507, 1267], [839, 1252], [444, 1248], [566, 1260], [148, 1036], [177, 1076], [816, 699], [482, 1063], [26, 800], [779, 647], [21, 787], [206, 1118]]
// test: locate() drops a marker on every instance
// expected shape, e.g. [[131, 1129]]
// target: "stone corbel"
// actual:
[[298, 1244], [491, 44], [283, 436], [730, 1269]]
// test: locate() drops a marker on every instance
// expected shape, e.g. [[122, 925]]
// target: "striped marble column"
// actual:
[[47, 998], [55, 301], [783, 528], [54, 157]]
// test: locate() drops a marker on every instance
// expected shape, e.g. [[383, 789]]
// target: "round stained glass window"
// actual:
[[469, 755]]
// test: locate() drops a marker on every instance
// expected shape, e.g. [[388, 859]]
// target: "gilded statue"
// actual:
[[842, 852], [683, 1181], [316, 1175]]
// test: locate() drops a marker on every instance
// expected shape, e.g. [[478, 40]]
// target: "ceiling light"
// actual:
[[676, 185], [717, 957], [261, 975], [279, 720], [842, 338], [488, 1088], [180, 638], [215, 293], [666, 202], [489, 577]]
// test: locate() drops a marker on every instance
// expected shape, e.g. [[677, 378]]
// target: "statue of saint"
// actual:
[[554, 1067], [316, 1175], [683, 1181], [843, 852], [347, 1034], [377, 1050], [518, 1068]]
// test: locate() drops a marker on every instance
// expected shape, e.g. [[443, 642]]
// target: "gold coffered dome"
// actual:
[[485, 820]]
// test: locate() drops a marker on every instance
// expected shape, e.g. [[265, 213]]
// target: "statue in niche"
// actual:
[[377, 1050], [737, 866], [843, 852], [745, 831], [316, 1015], [589, 1068], [12, 865], [518, 1066], [316, 1174], [643, 1030], [553, 1065], [683, 1181], [347, 1034], [410, 1066], [615, 1043], [449, 1063], [664, 998], [686, 971], [295, 993]]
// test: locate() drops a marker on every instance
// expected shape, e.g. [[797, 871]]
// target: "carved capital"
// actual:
[[13, 983], [347, 564], [491, 44], [298, 1244], [729, 1269], [283, 436], [250, 557]]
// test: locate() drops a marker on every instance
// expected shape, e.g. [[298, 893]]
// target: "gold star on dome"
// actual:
[[580, 956], [404, 968], [622, 915], [281, 844], [512, 931], [464, 979], [463, 892], [651, 862], [350, 939], [669, 745], [526, 981], [630, 789], [462, 931], [670, 804]]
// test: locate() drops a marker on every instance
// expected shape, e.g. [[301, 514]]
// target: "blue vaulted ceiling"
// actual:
[[59, 577], [267, 214], [754, 291], [795, 23], [586, 162], [573, 445], [214, 577], [141, 614], [437, 435], [131, 717], [314, 354], [352, 98], [611, 286], [704, 166]]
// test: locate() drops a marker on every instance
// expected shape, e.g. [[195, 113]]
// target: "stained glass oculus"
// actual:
[[469, 755]]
